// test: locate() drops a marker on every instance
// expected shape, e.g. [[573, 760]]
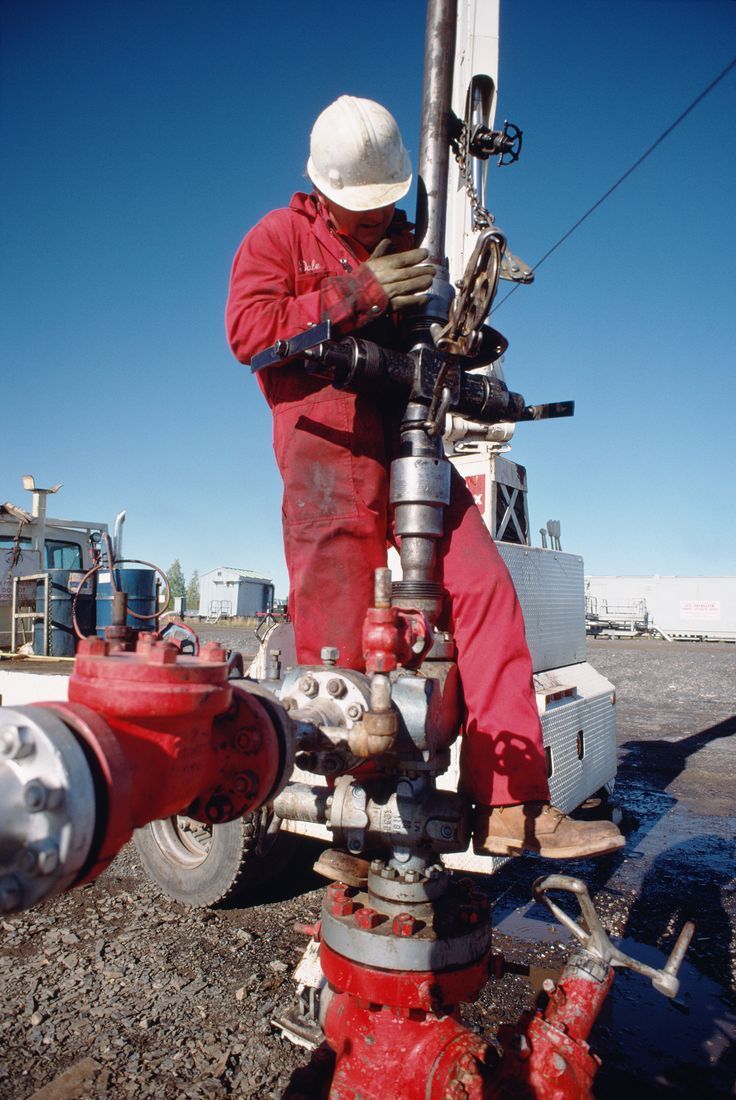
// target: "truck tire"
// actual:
[[202, 865]]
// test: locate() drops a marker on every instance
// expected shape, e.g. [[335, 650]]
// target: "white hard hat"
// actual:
[[357, 157]]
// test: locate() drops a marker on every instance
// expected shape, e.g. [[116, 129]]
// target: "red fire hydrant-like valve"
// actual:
[[146, 734]]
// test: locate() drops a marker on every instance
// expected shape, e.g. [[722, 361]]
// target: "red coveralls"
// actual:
[[333, 450]]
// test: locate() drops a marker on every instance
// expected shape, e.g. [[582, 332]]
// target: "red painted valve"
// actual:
[[146, 734]]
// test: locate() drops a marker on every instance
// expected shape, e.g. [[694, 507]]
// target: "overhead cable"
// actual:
[[627, 173]]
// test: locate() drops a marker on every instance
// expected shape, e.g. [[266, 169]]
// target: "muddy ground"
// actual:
[[115, 991]]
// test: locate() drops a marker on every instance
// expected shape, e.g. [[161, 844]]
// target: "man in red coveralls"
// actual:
[[345, 254]]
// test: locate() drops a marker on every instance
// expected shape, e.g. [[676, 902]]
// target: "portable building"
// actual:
[[228, 593]]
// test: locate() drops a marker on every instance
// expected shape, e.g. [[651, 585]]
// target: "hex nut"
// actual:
[[366, 918], [309, 686], [336, 688], [355, 712], [329, 654], [343, 907], [16, 742], [403, 925], [35, 796]]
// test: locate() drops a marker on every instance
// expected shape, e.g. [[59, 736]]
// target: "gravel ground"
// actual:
[[115, 991]]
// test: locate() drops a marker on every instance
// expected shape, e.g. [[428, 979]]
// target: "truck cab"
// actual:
[[40, 557]]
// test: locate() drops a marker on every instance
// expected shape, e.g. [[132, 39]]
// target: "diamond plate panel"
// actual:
[[573, 780], [551, 592]]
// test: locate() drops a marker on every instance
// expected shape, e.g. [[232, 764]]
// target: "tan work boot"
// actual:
[[541, 828]]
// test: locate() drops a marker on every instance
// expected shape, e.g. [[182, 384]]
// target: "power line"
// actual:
[[698, 99]]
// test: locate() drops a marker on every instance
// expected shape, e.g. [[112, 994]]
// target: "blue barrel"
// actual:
[[140, 588], [63, 585]]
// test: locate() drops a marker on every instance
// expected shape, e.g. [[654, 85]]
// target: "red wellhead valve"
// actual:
[[146, 734]]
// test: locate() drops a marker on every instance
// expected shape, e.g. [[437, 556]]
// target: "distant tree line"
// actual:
[[179, 586]]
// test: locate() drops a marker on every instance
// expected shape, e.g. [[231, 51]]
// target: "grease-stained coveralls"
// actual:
[[334, 449]]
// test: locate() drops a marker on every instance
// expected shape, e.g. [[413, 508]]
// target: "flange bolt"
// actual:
[[37, 796], [309, 686], [16, 742], [404, 924], [366, 918], [343, 907]]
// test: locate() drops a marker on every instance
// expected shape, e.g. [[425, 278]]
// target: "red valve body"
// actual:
[[395, 1020], [394, 636], [167, 734], [545, 1053]]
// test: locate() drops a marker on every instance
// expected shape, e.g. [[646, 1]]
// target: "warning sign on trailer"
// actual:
[[700, 609]]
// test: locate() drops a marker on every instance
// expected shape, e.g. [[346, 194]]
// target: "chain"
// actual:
[[511, 267], [481, 217]]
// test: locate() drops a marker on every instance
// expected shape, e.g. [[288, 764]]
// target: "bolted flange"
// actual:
[[47, 806]]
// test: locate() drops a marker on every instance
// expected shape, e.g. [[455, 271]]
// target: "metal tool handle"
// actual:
[[595, 938]]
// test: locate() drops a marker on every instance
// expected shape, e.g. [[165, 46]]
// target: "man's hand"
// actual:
[[403, 275]]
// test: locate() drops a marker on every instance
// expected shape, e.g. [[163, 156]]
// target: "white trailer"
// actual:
[[701, 608]]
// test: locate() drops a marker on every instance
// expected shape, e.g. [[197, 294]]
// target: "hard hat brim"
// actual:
[[367, 196]]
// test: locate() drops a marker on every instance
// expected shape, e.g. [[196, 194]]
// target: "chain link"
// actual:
[[481, 217]]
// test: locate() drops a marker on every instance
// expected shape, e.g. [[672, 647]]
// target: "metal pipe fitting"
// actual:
[[434, 145], [48, 807]]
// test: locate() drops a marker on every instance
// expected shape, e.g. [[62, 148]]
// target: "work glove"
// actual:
[[402, 275]]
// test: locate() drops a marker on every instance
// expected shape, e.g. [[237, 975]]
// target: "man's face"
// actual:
[[367, 227]]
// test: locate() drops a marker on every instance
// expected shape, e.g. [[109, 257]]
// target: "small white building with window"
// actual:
[[229, 593]]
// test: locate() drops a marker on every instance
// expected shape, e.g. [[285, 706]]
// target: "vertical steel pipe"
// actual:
[[434, 144]]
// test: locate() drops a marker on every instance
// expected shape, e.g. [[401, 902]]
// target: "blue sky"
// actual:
[[140, 142]]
